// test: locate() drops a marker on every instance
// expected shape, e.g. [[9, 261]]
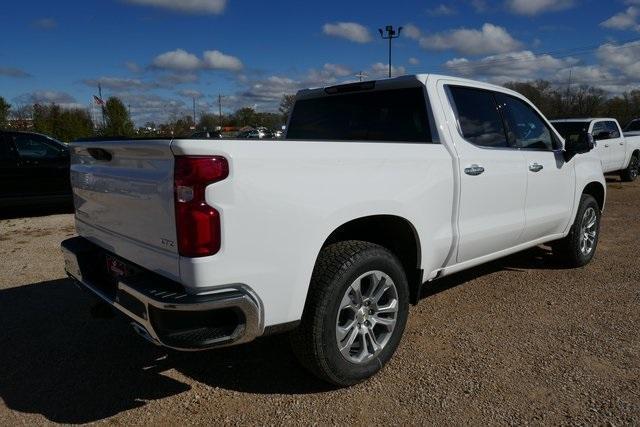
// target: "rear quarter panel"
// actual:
[[284, 198]]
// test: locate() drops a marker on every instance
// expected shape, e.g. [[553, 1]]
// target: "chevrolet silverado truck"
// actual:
[[619, 152], [380, 188]]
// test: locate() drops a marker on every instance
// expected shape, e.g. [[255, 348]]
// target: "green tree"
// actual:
[[117, 119], [63, 124], [5, 108], [245, 117]]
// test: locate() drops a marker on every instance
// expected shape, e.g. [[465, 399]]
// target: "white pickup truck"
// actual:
[[618, 151], [379, 188]]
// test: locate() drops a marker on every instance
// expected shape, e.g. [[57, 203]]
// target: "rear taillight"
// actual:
[[197, 224]]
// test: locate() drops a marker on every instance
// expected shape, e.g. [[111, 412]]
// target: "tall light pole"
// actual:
[[391, 34]]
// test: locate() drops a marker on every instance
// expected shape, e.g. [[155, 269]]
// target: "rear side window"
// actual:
[[398, 115], [526, 129], [612, 127], [634, 126], [479, 118]]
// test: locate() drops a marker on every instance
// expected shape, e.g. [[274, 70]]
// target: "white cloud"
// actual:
[[178, 59], [14, 72], [623, 58], [380, 70], [479, 5], [337, 70], [45, 23], [217, 60], [488, 40], [442, 10], [46, 97], [523, 65], [133, 67], [626, 20], [181, 60], [118, 84], [190, 93], [348, 30], [414, 61], [535, 7], [411, 31], [214, 7]]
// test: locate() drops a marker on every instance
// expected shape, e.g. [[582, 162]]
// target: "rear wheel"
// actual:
[[355, 313], [631, 172], [579, 247]]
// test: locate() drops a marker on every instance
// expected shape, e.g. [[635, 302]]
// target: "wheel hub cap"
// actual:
[[366, 317], [588, 231]]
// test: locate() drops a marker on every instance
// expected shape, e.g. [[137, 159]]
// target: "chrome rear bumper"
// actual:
[[161, 311]]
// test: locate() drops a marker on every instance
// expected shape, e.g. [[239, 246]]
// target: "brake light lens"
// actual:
[[197, 224]]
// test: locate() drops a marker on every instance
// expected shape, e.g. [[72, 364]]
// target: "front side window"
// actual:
[[600, 131], [525, 127], [34, 147], [478, 116], [398, 115]]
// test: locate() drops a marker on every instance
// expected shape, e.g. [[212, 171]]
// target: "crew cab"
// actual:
[[379, 188], [34, 169], [618, 151]]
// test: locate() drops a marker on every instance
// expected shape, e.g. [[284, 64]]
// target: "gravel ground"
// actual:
[[518, 341]]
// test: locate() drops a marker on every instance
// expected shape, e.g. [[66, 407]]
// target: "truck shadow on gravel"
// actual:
[[60, 362]]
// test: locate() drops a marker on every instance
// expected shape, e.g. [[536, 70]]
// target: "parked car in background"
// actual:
[[34, 169], [632, 128], [618, 151], [252, 134], [206, 134], [379, 188]]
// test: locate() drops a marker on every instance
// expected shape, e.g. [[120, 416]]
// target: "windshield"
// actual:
[[634, 126], [571, 131], [384, 115]]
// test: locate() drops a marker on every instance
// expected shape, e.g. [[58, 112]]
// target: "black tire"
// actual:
[[569, 250], [631, 172], [314, 341]]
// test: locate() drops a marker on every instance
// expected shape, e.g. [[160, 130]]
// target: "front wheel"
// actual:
[[631, 172], [579, 247], [355, 314]]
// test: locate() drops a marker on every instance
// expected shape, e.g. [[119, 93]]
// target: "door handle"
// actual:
[[606, 145], [474, 170], [622, 143], [535, 167]]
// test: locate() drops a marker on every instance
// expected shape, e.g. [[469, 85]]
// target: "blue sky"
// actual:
[[158, 54]]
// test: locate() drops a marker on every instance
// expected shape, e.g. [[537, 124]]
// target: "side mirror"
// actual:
[[583, 144]]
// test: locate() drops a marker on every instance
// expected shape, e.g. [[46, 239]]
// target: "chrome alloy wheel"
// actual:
[[588, 231], [367, 316], [635, 167]]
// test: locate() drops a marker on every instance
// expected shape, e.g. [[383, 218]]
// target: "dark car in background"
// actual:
[[34, 169]]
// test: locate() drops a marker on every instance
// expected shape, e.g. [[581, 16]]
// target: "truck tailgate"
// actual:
[[123, 195]]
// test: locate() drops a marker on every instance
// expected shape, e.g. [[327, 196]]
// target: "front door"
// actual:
[[550, 180]]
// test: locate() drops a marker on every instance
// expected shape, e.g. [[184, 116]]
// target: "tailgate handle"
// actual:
[[100, 154]]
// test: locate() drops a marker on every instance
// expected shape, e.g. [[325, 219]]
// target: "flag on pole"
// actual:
[[98, 101]]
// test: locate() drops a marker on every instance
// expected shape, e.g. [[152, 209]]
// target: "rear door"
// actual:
[[492, 175], [603, 146], [550, 180]]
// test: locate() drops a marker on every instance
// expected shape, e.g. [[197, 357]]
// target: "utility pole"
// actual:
[[391, 34], [194, 109], [101, 103], [361, 75]]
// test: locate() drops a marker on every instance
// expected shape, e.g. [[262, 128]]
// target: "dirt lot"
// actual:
[[517, 341]]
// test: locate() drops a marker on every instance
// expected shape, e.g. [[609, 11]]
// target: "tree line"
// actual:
[[68, 124]]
